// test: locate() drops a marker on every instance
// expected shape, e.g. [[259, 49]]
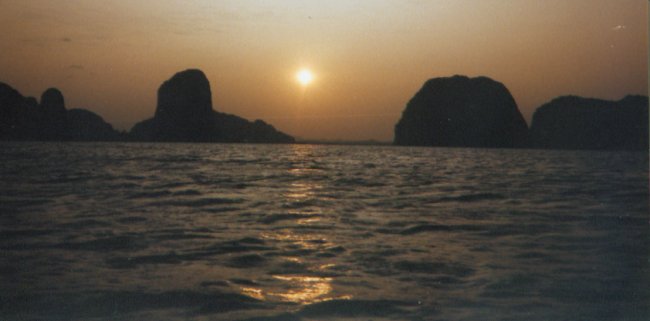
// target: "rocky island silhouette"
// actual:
[[184, 114], [23, 118], [462, 112], [572, 122], [479, 112], [455, 111]]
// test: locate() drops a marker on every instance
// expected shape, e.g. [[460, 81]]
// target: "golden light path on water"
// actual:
[[302, 290], [299, 288]]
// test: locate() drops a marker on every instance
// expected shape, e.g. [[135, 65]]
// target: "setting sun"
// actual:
[[305, 77]]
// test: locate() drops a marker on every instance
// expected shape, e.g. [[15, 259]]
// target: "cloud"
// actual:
[[619, 28]]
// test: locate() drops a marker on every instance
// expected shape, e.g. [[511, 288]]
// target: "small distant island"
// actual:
[[455, 111]]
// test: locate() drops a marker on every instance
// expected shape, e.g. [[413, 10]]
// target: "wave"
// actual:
[[120, 304], [357, 309], [198, 203]]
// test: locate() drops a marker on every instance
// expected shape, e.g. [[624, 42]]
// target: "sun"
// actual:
[[304, 77]]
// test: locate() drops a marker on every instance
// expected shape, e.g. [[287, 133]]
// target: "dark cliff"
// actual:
[[184, 108], [17, 115], [54, 113], [462, 112], [572, 122], [184, 114]]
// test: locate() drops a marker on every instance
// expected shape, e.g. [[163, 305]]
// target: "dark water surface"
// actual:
[[301, 232]]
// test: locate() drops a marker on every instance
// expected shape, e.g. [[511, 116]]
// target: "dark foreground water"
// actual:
[[300, 232]]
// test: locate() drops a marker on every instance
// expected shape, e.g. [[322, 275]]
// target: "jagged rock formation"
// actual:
[[572, 122], [462, 112], [184, 114], [24, 119]]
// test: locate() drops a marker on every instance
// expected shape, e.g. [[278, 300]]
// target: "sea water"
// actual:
[[129, 231]]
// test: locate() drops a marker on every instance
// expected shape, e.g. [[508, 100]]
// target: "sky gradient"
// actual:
[[368, 57]]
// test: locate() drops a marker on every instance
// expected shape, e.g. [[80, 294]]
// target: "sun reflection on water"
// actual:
[[304, 282], [299, 191], [253, 293], [298, 289], [304, 289], [307, 242]]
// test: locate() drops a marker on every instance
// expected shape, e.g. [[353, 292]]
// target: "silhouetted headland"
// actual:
[[184, 114], [462, 112], [23, 118], [572, 122]]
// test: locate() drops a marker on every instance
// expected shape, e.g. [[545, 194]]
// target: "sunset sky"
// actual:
[[368, 58]]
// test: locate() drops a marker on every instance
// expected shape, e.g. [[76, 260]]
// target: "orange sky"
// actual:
[[369, 57]]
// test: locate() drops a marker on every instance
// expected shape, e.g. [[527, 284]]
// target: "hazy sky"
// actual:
[[369, 57]]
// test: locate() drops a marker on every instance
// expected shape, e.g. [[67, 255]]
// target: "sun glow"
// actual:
[[305, 77]]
